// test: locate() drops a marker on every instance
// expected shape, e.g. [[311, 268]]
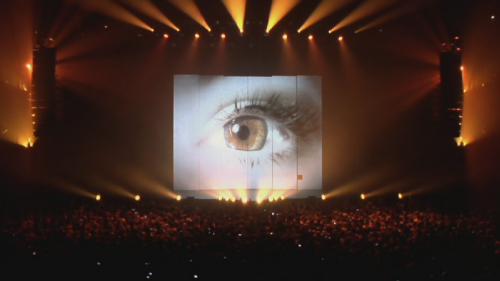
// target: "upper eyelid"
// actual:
[[261, 96]]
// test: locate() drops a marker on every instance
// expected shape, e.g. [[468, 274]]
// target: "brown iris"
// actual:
[[246, 133]]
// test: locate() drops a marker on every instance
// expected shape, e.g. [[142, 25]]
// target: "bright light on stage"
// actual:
[[244, 200], [190, 8], [179, 198], [362, 196], [279, 8], [233, 199], [310, 37], [220, 198], [236, 9], [323, 197], [285, 36], [400, 196], [341, 38], [137, 198], [29, 66], [98, 197], [197, 35], [165, 35], [271, 199], [223, 36], [259, 200], [282, 197]]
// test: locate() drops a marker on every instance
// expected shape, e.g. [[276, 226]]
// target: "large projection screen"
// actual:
[[234, 133]]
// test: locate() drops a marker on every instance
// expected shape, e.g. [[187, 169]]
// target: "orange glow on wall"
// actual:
[[279, 8]]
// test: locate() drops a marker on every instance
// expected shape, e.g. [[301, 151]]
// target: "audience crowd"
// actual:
[[289, 239]]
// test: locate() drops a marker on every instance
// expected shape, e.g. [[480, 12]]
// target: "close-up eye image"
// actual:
[[247, 132]]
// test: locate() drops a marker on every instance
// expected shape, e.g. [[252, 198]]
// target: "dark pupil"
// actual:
[[243, 133]]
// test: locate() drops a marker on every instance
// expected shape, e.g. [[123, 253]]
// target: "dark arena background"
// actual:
[[249, 139]]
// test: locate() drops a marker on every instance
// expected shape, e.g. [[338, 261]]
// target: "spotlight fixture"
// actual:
[[310, 37], [178, 198], [223, 35], [400, 196], [271, 199], [259, 200], [98, 197], [323, 197], [363, 196], [197, 35], [341, 38], [165, 35], [285, 36], [137, 198], [244, 200]]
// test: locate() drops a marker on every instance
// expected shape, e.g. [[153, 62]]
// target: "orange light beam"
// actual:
[[189, 8], [279, 8], [364, 10], [70, 26], [149, 9], [404, 9], [112, 10], [236, 9], [325, 8]]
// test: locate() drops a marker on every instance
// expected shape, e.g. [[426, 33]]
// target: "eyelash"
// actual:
[[299, 120]]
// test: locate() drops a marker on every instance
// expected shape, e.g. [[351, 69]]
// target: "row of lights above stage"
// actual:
[[245, 200], [285, 36]]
